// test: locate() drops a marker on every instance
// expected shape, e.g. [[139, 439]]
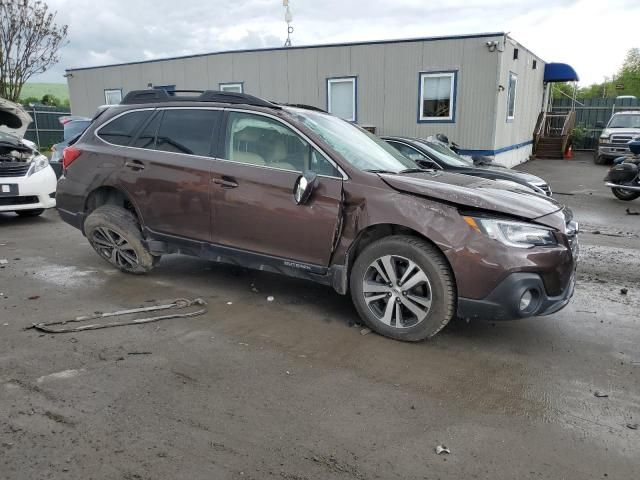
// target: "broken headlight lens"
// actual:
[[514, 234], [38, 163]]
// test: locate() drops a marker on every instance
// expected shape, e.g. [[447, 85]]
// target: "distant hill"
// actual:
[[39, 90]]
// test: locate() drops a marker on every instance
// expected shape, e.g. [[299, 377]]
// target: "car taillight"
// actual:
[[69, 155]]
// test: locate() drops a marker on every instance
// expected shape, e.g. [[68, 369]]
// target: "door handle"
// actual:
[[225, 182], [134, 165]]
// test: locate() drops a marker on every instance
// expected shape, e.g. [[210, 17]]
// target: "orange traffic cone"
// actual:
[[568, 155]]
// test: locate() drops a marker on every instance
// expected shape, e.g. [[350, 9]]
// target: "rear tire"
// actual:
[[625, 194], [403, 288], [30, 213], [114, 233]]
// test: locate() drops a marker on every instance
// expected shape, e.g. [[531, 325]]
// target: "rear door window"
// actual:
[[147, 136], [188, 131], [121, 130]]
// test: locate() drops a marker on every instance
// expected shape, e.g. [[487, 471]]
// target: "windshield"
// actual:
[[445, 154], [358, 147], [75, 127], [624, 121]]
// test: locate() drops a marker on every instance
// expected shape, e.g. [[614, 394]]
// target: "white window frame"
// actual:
[[354, 89], [223, 87], [511, 117], [108, 91], [453, 75]]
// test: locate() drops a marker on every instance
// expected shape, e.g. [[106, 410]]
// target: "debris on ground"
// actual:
[[599, 394], [139, 353], [440, 449], [229, 303], [178, 304], [34, 297], [632, 426], [365, 331], [270, 298], [632, 212], [3, 261], [624, 291]]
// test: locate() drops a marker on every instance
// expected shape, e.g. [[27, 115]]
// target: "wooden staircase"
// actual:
[[552, 135]]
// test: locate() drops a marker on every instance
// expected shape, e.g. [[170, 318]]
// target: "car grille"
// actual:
[[621, 139], [572, 231], [26, 200], [14, 169]]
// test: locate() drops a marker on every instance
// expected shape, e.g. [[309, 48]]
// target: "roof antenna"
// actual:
[[288, 18]]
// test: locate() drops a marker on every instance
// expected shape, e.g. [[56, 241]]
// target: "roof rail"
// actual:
[[303, 106], [158, 96]]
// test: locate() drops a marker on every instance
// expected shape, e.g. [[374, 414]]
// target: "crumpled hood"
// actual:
[[475, 192], [13, 118]]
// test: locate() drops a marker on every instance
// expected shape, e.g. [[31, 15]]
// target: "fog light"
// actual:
[[525, 300]]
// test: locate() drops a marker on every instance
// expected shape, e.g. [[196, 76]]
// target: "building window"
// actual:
[[535, 65], [232, 87], [511, 96], [515, 53], [341, 97], [437, 97], [113, 96]]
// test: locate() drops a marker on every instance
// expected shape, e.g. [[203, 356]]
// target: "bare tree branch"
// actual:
[[29, 43]]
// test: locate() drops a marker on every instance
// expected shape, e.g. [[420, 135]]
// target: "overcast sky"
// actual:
[[591, 35]]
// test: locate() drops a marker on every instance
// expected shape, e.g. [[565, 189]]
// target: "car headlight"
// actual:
[[603, 140], [38, 163], [513, 234]]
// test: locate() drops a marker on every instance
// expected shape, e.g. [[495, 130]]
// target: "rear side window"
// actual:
[[147, 136], [187, 131], [121, 130]]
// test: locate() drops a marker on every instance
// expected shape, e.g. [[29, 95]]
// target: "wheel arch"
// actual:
[[375, 232], [109, 195]]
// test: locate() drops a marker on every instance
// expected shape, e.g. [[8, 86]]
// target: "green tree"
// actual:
[[629, 74], [29, 43]]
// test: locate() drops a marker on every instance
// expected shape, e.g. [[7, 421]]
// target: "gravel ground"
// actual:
[[291, 389]]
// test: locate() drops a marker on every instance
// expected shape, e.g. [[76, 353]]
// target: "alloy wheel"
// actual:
[[114, 247], [397, 291]]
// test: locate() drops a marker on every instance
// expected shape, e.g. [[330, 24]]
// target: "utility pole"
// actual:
[[287, 18]]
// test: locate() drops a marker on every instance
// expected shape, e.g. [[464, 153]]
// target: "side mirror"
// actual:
[[304, 186], [599, 125]]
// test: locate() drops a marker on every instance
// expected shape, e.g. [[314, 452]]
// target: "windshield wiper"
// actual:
[[413, 170], [373, 170]]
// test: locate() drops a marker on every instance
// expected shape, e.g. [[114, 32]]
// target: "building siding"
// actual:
[[387, 83]]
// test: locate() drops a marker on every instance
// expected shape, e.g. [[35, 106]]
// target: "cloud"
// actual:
[[572, 31]]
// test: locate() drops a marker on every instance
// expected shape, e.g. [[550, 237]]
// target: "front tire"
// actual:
[[30, 213], [114, 233], [403, 288], [599, 159], [625, 195]]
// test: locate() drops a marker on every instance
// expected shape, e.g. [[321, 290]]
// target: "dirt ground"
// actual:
[[290, 388]]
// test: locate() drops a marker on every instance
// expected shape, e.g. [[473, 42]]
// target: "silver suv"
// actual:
[[621, 129]]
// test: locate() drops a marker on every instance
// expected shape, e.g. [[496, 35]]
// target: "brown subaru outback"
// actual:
[[294, 190]]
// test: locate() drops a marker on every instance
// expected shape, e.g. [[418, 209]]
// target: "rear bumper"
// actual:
[[503, 303], [33, 192], [74, 219]]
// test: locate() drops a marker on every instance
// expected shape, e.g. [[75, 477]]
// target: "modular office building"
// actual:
[[483, 91]]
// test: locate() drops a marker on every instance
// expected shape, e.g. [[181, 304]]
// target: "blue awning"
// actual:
[[560, 72]]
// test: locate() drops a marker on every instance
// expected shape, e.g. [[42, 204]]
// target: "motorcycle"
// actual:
[[624, 177]]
